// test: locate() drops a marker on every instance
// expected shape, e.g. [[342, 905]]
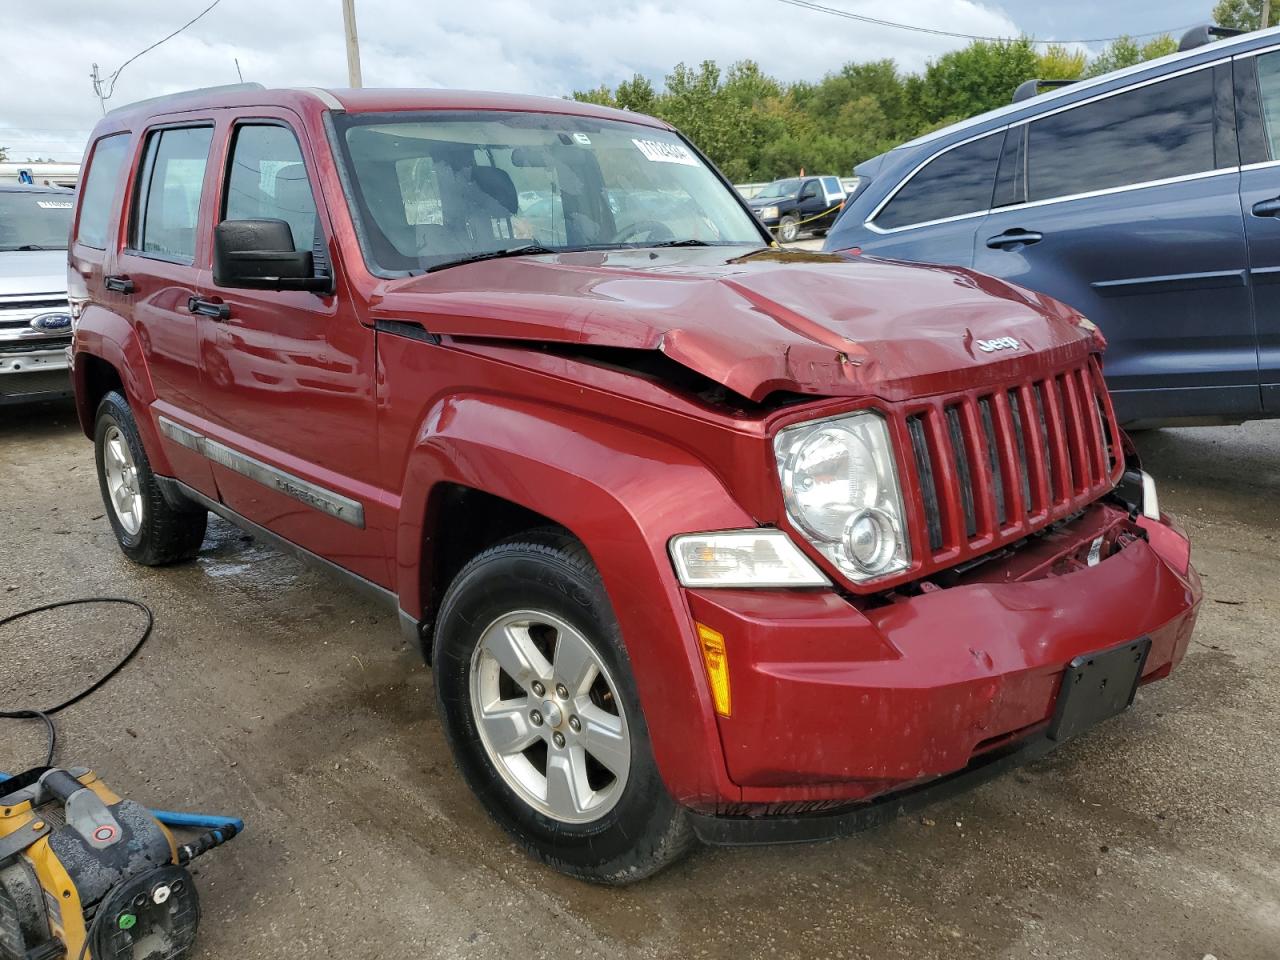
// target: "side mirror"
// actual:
[[259, 255]]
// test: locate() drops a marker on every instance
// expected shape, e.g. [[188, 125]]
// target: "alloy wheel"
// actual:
[[122, 480], [549, 716]]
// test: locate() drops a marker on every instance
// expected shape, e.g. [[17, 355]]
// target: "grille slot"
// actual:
[[1050, 446]]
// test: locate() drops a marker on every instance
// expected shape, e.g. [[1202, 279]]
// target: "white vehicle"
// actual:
[[35, 318]]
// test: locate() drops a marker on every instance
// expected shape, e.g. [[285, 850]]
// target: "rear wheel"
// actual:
[[538, 702], [149, 529]]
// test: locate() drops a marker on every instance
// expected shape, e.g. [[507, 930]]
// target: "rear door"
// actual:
[[933, 214], [159, 266], [1126, 206], [1257, 79]]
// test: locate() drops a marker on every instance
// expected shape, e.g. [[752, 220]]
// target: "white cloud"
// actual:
[[47, 105]]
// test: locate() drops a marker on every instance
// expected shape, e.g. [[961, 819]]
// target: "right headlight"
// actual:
[[840, 483], [769, 213]]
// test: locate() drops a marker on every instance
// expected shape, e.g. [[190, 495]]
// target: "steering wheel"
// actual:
[[655, 231]]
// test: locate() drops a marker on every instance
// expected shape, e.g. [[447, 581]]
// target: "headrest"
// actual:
[[498, 185]]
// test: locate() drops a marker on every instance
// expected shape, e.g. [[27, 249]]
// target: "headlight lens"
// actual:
[[769, 213], [743, 558], [840, 483]]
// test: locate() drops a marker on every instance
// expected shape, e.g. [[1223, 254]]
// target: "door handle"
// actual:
[[119, 283], [1013, 237], [1267, 208], [209, 308]]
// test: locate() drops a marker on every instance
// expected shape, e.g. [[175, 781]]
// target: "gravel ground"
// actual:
[[269, 692]]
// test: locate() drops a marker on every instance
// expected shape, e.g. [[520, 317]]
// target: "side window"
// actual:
[[99, 190], [1268, 66], [954, 183], [1158, 131], [832, 185], [169, 191], [810, 190], [267, 180]]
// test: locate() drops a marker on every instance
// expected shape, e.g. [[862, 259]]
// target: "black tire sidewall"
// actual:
[[513, 578]]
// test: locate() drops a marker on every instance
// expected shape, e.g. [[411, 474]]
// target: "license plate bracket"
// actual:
[[1096, 686]]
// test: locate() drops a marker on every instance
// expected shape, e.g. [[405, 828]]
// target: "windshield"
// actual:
[[435, 188], [35, 220], [779, 188]]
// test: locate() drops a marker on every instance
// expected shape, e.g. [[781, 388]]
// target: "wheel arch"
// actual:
[[623, 495]]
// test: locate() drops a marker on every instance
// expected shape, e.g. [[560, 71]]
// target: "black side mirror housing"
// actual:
[[259, 255]]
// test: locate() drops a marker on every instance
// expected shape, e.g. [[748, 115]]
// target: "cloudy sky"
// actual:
[[47, 105]]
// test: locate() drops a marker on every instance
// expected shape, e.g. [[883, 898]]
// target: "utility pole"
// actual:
[[353, 42], [1266, 15], [97, 89]]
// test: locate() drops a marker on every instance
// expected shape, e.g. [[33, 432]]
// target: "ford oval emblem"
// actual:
[[51, 321]]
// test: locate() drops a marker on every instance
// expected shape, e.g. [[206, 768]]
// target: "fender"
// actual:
[[108, 336], [618, 500]]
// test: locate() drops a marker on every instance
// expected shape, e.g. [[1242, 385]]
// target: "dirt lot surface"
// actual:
[[270, 692]]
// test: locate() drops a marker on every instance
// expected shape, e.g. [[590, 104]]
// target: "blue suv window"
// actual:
[[1155, 132], [1269, 87], [952, 184]]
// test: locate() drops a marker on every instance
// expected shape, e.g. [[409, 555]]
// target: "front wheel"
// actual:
[[536, 694], [149, 529], [789, 229]]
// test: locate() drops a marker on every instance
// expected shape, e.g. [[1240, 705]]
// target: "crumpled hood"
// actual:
[[758, 321], [25, 272]]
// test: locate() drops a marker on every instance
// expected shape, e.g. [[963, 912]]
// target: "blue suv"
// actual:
[[1148, 198]]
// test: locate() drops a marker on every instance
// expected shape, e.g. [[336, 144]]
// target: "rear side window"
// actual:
[[267, 180], [832, 185], [954, 183], [1269, 88], [169, 191], [99, 190], [1155, 132]]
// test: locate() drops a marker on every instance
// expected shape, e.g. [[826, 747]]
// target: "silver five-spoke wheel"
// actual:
[[122, 480], [549, 716]]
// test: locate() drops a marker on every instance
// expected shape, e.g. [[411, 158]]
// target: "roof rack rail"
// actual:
[[1207, 33], [186, 94], [1029, 88]]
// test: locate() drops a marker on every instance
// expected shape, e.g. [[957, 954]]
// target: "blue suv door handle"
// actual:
[[1267, 208], [1012, 238]]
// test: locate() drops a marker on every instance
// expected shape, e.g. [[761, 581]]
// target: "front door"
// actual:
[[1127, 208], [288, 376]]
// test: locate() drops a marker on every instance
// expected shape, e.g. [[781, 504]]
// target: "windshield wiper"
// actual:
[[32, 246], [529, 249], [679, 243]]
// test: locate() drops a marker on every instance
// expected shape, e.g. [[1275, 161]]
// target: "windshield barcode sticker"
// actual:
[[661, 152]]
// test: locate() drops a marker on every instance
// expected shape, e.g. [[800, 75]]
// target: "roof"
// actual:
[[1207, 52], [33, 188], [367, 100]]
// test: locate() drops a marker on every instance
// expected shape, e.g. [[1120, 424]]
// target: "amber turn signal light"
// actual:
[[717, 663]]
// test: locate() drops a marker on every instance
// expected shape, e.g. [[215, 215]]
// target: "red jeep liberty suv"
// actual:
[[705, 539]]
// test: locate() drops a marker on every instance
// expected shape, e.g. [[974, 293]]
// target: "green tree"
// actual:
[[1238, 14], [979, 77], [1125, 52], [1056, 62]]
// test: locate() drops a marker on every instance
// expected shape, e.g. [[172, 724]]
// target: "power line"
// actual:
[[110, 82], [876, 21]]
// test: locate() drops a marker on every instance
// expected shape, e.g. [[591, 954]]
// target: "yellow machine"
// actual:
[[84, 873]]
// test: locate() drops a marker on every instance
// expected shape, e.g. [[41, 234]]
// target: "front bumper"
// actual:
[[34, 374], [833, 706]]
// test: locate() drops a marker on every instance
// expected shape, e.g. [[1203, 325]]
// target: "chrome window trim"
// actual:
[[1224, 45], [304, 491], [1026, 122]]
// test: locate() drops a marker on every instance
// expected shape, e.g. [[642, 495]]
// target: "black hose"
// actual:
[[48, 713]]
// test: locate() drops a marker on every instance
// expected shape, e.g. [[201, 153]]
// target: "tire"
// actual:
[[619, 825], [153, 532], [789, 229]]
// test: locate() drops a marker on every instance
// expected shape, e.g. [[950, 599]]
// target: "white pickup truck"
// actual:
[[35, 318]]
